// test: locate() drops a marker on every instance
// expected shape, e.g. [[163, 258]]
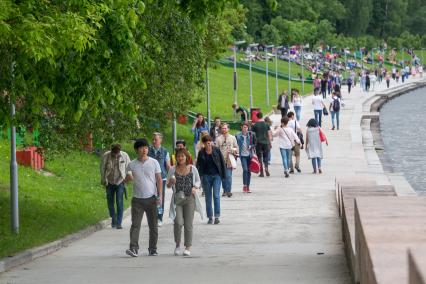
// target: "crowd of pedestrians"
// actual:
[[216, 152]]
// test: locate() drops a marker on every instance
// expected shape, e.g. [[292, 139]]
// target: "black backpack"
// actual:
[[336, 104]]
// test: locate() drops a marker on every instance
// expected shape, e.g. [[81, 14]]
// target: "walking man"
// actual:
[[263, 138], [228, 146], [113, 173], [283, 103], [147, 195], [162, 156]]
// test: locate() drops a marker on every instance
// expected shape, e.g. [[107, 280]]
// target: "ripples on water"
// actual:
[[403, 129]]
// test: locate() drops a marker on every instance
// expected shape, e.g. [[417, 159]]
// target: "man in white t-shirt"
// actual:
[[147, 194]]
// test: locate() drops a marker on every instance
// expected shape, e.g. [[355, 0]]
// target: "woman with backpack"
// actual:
[[335, 104]]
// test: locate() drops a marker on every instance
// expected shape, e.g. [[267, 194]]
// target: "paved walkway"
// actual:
[[286, 231]]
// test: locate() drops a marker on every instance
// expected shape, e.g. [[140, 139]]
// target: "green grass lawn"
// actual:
[[51, 207], [222, 96], [281, 64]]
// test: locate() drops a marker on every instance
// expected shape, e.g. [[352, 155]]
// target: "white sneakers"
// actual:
[[185, 252], [160, 223], [177, 251]]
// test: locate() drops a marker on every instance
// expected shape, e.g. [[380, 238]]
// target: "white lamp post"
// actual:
[[289, 70], [235, 72], [251, 81], [276, 70], [267, 73]]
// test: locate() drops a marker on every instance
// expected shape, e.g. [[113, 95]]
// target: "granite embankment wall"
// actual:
[[383, 223]]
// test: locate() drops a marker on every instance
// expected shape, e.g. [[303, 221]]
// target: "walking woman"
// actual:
[[246, 143], [319, 105], [198, 126], [297, 102], [185, 180], [313, 145], [211, 167], [387, 77], [287, 139]]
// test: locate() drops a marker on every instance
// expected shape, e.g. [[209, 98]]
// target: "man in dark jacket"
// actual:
[[283, 104], [211, 167]]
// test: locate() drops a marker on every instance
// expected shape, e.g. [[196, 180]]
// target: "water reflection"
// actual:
[[403, 129]]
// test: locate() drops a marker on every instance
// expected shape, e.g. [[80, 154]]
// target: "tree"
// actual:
[[270, 35]]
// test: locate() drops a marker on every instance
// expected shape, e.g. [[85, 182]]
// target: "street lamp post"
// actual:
[[208, 94], [303, 76], [251, 81], [235, 74], [267, 73], [346, 63], [276, 70], [289, 70], [14, 202]]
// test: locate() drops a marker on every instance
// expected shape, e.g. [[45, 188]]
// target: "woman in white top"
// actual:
[[296, 99], [185, 180], [318, 103], [287, 138]]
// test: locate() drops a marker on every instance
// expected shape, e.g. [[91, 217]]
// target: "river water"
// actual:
[[403, 130]]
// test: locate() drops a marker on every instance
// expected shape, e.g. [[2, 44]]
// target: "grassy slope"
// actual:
[[222, 96], [51, 207]]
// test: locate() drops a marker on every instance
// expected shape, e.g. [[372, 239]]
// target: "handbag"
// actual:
[[232, 161], [179, 197], [322, 135], [299, 135], [254, 164], [325, 111]]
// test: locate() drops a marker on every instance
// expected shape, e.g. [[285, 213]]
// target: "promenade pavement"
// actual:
[[286, 231]]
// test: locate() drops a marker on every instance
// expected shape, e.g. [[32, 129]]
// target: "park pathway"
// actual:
[[286, 231]]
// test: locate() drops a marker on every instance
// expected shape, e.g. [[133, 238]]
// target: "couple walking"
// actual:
[[145, 172]]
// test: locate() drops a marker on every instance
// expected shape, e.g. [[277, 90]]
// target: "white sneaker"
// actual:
[[186, 253], [160, 223], [177, 251]]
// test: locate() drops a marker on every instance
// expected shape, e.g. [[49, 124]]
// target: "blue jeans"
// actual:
[[318, 115], [286, 156], [227, 181], [316, 163], [297, 110], [114, 194], [211, 186], [335, 114], [160, 216], [245, 162]]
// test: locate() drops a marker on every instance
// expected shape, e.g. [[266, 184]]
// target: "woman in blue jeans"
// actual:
[[246, 143], [287, 138], [314, 145], [319, 105], [211, 167]]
